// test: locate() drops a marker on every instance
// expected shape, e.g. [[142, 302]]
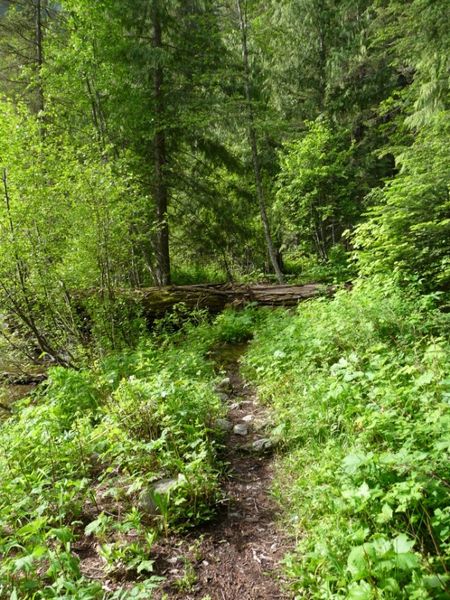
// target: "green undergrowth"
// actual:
[[78, 459], [360, 389]]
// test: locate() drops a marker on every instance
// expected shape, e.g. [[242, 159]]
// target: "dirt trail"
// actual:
[[237, 556]]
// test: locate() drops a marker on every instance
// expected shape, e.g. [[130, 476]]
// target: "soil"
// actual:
[[10, 393], [236, 557]]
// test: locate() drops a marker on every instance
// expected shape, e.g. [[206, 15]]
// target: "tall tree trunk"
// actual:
[[254, 145], [160, 160], [39, 54]]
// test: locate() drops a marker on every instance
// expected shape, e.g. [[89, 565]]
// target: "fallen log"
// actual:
[[155, 302], [22, 379]]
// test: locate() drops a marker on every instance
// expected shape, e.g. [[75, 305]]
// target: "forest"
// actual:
[[224, 299]]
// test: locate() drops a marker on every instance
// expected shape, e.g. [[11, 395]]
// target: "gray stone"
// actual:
[[260, 425], [147, 502], [240, 429], [163, 486], [262, 445], [224, 424], [247, 418], [223, 385]]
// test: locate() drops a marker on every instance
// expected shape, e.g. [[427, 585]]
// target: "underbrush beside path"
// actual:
[[150, 474], [360, 389], [100, 462], [100, 466]]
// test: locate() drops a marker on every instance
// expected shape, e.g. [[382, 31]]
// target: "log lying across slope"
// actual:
[[157, 301]]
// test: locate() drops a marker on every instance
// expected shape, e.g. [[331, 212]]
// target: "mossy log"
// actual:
[[155, 302]]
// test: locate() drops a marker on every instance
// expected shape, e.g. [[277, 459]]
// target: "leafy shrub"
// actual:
[[71, 393], [317, 198], [304, 269], [408, 226], [359, 387], [235, 327], [89, 446]]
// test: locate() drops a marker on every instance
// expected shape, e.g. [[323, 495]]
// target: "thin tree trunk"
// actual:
[[254, 146], [39, 55], [26, 313], [160, 160], [95, 110], [322, 59]]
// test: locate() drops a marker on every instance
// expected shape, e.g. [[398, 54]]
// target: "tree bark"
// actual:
[[254, 145], [39, 55], [155, 302], [160, 160]]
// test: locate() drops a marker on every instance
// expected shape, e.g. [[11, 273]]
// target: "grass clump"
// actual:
[[78, 462], [237, 327], [360, 387]]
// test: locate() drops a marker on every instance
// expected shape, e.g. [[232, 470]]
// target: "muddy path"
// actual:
[[236, 557]]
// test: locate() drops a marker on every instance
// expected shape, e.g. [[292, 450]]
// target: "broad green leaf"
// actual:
[[360, 591], [357, 562], [402, 544]]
